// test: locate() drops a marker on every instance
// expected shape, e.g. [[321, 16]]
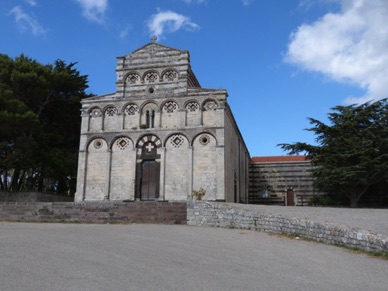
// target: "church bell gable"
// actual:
[[154, 71]]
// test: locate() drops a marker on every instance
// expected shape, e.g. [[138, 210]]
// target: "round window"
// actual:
[[97, 144], [204, 139]]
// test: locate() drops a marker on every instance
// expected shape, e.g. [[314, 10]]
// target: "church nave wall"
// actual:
[[111, 119], [97, 163], [164, 114], [122, 170], [131, 116], [177, 168], [208, 163]]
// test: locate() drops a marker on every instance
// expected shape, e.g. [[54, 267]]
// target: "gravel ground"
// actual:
[[49, 256]]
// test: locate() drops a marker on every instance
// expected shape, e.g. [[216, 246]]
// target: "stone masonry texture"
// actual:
[[203, 213], [95, 212]]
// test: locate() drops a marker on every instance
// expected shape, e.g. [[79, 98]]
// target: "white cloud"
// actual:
[[169, 21], [124, 32], [347, 46], [31, 2], [93, 10], [26, 21], [246, 2]]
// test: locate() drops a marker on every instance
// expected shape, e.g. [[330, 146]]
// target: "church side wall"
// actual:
[[236, 162]]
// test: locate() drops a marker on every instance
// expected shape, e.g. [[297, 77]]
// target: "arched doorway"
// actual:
[[149, 180], [148, 169]]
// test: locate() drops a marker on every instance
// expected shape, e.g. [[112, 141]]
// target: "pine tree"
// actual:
[[352, 151]]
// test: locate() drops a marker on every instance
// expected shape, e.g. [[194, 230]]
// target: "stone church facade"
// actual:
[[160, 136]]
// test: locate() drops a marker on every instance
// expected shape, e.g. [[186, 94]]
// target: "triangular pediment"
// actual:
[[154, 67], [155, 47]]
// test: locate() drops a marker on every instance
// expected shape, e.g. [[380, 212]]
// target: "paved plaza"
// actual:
[[175, 257]]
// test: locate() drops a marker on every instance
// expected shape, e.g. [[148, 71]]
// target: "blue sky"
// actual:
[[281, 61]]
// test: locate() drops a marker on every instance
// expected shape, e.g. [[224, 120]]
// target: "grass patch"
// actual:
[[376, 254]]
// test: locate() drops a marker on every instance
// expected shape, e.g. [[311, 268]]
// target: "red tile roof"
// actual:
[[278, 159]]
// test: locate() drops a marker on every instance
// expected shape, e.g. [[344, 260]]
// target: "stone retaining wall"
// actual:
[[230, 215], [199, 213], [95, 212], [33, 197]]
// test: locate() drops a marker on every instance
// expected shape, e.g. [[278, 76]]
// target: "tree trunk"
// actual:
[[40, 182], [21, 180], [1, 183], [5, 182], [15, 180], [354, 202], [355, 196]]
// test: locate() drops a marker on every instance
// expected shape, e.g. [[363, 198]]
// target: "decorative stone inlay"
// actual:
[[111, 111], [131, 109], [96, 112], [150, 146], [170, 76], [98, 143], [177, 141], [210, 105], [149, 138], [204, 139], [122, 143], [192, 106], [151, 77], [169, 107], [133, 78]]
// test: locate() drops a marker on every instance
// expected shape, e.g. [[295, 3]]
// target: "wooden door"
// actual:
[[149, 180], [290, 197]]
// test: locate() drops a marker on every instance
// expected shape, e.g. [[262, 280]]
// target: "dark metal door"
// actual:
[[150, 180]]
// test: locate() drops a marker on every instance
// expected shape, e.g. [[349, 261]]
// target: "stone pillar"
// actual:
[[109, 170], [79, 195], [109, 152], [162, 162], [190, 161]]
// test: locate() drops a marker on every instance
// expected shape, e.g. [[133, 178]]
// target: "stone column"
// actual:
[[109, 171], [190, 161], [162, 162], [79, 195]]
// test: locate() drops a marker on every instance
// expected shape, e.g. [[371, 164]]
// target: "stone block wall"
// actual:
[[277, 176], [33, 197], [95, 212], [203, 213]]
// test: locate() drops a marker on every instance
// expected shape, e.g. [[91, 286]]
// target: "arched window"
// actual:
[[150, 117]]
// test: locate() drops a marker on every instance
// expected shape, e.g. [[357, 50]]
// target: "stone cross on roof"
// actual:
[[154, 38]]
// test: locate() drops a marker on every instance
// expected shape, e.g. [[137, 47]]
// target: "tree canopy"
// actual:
[[351, 154], [39, 124]]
